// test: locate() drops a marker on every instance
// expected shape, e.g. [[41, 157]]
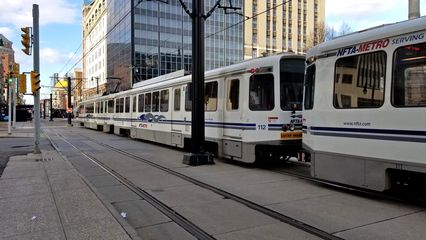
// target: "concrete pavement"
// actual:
[[44, 197]]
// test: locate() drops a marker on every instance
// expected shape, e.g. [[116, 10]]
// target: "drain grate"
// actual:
[[44, 159]]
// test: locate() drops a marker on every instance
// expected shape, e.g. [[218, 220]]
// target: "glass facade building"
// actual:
[[154, 38]]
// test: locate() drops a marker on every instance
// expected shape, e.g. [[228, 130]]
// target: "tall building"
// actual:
[[7, 58], [151, 38], [281, 26], [94, 48]]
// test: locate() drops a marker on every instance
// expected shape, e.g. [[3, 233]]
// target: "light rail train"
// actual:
[[364, 118], [252, 109]]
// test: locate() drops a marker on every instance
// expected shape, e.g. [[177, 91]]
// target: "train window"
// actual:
[[291, 83], [364, 81], [121, 105], [127, 105], [134, 104], [148, 102], [261, 92], [409, 76], [210, 97], [89, 108], [164, 101], [309, 87], [155, 101], [81, 109], [176, 100], [117, 107], [140, 102], [233, 101], [188, 101], [110, 106]]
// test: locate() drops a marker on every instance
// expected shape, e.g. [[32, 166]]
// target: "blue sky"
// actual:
[[60, 27]]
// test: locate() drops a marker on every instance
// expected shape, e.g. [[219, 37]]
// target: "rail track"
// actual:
[[192, 228]]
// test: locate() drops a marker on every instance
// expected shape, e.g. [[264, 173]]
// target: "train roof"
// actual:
[[367, 35], [180, 77]]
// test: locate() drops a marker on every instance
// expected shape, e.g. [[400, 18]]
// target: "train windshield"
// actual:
[[291, 83]]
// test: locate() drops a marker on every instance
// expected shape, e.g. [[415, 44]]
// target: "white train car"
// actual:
[[252, 109], [364, 118]]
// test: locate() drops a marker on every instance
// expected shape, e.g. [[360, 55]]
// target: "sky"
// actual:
[[60, 28]]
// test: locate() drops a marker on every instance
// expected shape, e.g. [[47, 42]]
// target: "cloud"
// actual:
[[362, 14], [358, 9], [7, 32], [50, 55], [19, 12]]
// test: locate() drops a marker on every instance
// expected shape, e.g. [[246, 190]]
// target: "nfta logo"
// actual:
[[149, 117], [364, 47]]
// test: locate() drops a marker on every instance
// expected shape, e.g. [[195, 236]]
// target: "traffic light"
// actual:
[[22, 82], [26, 40], [35, 81], [15, 70]]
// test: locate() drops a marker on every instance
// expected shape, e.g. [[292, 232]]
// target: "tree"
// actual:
[[322, 33], [344, 29]]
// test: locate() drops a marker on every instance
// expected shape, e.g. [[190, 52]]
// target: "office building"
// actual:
[[281, 26]]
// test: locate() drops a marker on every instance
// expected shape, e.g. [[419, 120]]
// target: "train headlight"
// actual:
[[284, 127], [291, 127]]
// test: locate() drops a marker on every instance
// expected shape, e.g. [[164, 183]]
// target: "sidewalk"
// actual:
[[22, 129], [44, 197]]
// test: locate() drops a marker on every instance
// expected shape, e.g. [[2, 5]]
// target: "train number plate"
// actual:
[[291, 135]]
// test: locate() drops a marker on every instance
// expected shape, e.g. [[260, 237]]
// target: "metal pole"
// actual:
[[413, 9], [198, 155], [69, 106], [51, 108], [36, 54], [97, 85], [9, 121], [14, 89], [44, 109]]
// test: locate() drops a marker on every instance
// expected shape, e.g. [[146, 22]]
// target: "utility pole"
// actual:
[[69, 106], [44, 109], [36, 49], [197, 156], [413, 9], [14, 92], [51, 107], [97, 85], [9, 121]]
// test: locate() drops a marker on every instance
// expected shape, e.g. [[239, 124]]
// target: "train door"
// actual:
[[175, 116], [176, 108], [232, 118]]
